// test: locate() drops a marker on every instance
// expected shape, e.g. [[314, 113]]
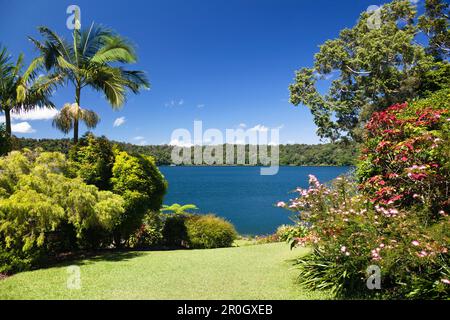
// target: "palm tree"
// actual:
[[91, 61], [23, 90], [72, 113]]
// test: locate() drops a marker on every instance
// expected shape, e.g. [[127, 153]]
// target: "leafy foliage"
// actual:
[[373, 67], [178, 209], [406, 158], [37, 200], [93, 59], [209, 231], [142, 186], [92, 159], [348, 234]]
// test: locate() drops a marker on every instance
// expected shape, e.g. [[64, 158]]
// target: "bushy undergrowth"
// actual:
[[209, 231], [96, 199], [185, 230], [393, 216], [41, 208]]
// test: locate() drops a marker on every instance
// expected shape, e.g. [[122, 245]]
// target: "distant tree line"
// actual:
[[329, 154]]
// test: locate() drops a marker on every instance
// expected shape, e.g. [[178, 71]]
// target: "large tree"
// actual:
[[374, 64], [23, 89], [91, 60]]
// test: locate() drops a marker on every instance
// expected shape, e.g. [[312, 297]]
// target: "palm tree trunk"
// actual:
[[75, 121], [8, 120]]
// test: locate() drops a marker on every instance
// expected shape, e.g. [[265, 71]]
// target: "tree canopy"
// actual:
[[373, 66]]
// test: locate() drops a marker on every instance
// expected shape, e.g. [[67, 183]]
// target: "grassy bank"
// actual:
[[244, 272]]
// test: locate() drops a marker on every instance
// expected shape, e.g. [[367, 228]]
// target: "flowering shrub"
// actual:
[[348, 234], [406, 157]]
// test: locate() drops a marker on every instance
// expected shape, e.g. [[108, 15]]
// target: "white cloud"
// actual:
[[178, 143], [140, 140], [22, 127], [174, 103], [35, 114], [200, 106], [242, 125], [119, 121], [259, 128]]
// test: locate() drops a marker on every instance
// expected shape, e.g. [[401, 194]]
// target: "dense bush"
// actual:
[[141, 185], [92, 159], [184, 231], [174, 231], [150, 234], [38, 202], [406, 156], [348, 234], [135, 177], [396, 217], [209, 231]]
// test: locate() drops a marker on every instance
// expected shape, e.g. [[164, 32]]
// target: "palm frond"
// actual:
[[90, 118], [64, 120]]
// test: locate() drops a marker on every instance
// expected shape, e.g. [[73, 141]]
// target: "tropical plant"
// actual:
[[23, 89], [72, 113], [91, 61], [178, 209]]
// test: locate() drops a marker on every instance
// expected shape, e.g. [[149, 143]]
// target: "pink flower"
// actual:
[[343, 249], [446, 281], [281, 204], [415, 243]]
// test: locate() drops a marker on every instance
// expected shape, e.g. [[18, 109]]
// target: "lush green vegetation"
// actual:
[[51, 205], [246, 272], [395, 217], [392, 94], [331, 154], [375, 65]]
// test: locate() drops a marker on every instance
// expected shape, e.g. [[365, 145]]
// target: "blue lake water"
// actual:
[[241, 194]]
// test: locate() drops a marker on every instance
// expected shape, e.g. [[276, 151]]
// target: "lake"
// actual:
[[241, 194]]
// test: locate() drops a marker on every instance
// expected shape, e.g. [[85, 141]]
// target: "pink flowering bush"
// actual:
[[348, 233], [405, 159]]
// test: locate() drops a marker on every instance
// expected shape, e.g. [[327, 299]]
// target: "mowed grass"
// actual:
[[245, 272]]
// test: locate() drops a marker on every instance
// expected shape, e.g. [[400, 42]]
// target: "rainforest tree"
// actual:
[[373, 65]]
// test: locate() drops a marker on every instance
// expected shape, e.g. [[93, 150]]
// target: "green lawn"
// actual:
[[244, 272]]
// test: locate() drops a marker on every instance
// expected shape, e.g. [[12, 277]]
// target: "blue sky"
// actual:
[[224, 62]]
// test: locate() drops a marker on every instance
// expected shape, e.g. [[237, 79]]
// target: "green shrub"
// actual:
[[141, 184], [42, 210], [209, 231], [290, 232], [92, 159], [174, 231], [150, 234]]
